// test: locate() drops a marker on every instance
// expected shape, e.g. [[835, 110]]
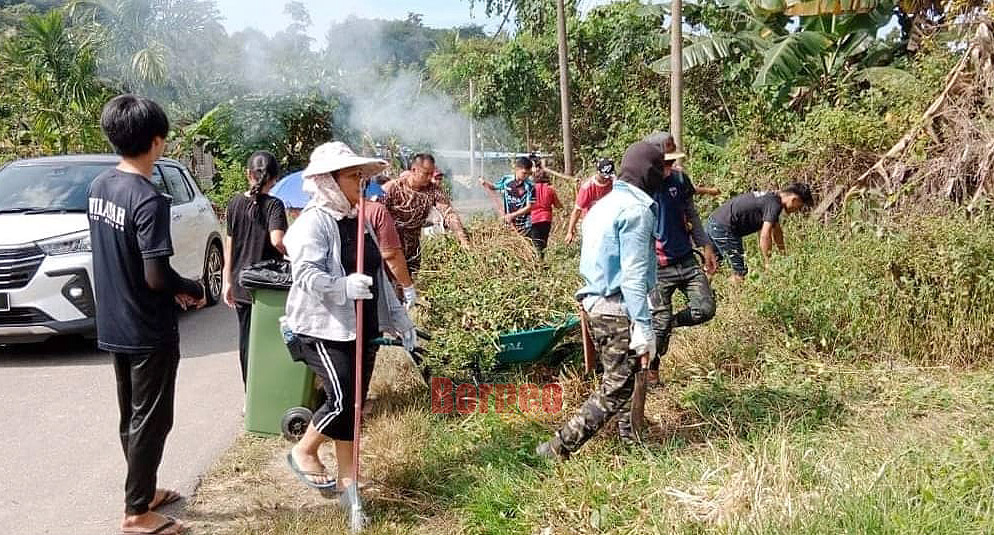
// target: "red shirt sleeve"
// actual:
[[383, 225], [584, 197]]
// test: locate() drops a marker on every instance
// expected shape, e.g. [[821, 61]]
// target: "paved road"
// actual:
[[61, 466]]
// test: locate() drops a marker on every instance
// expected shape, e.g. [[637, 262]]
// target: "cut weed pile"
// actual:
[[498, 284], [800, 409]]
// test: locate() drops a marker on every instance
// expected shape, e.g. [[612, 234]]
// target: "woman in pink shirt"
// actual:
[[545, 199]]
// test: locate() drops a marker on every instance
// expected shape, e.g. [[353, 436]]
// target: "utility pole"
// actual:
[[472, 136], [676, 75], [564, 89]]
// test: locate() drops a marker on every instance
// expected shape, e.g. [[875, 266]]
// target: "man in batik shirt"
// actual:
[[410, 198]]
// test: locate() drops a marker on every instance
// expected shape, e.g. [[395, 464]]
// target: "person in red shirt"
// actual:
[[545, 199], [593, 190]]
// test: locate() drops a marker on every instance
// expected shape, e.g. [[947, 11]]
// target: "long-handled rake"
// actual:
[[350, 498]]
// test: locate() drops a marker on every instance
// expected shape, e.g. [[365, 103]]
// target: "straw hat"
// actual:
[[331, 157]]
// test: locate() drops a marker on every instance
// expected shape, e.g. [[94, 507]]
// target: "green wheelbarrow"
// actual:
[[521, 347]]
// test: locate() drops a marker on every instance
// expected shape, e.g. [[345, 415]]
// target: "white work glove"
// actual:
[[410, 339], [643, 342], [410, 297], [357, 286]]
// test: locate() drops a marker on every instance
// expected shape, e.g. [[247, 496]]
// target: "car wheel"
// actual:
[[214, 273]]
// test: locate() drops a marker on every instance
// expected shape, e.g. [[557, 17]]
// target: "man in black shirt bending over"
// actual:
[[756, 211], [137, 292]]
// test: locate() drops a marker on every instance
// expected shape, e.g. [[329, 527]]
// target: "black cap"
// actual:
[[606, 166]]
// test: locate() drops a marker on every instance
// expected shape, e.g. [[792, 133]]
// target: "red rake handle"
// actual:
[[360, 268]]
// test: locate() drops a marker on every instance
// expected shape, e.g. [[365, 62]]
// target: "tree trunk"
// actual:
[[564, 89], [676, 80], [472, 136]]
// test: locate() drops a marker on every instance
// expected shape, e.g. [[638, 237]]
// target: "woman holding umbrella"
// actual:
[[340, 301]]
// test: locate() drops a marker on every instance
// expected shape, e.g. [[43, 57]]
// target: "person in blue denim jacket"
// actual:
[[618, 265]]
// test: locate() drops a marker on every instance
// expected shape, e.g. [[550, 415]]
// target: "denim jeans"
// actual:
[[687, 276], [728, 245]]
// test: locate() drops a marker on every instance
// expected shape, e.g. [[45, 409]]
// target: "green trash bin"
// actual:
[[281, 392]]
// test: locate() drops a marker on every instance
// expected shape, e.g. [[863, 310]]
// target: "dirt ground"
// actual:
[[252, 481]]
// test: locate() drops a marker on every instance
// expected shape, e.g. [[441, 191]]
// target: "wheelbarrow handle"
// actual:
[[418, 355]]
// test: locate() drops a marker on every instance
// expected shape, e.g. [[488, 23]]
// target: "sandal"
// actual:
[[169, 497], [305, 476], [169, 527]]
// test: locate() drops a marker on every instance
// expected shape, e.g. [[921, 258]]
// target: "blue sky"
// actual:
[[267, 15]]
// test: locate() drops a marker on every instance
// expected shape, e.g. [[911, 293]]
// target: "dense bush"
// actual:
[[923, 291], [231, 180]]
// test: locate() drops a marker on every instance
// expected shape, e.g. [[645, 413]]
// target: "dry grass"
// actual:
[[694, 474], [752, 433]]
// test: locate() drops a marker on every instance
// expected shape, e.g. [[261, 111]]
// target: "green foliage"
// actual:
[[922, 292], [360, 46], [829, 128], [532, 16], [288, 126], [824, 54], [52, 95], [496, 285], [146, 43], [230, 182]]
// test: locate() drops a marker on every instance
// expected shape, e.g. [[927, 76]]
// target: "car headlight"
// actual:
[[72, 243]]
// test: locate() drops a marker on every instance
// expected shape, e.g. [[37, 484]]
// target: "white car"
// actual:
[[46, 267]]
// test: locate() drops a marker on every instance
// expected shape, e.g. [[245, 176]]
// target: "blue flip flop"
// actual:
[[303, 476]]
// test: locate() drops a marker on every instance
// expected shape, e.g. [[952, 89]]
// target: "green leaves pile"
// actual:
[[497, 285]]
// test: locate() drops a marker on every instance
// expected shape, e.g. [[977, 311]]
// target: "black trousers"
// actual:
[[244, 312], [334, 363], [540, 235], [146, 390]]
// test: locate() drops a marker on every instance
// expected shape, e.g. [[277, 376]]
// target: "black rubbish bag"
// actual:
[[268, 274]]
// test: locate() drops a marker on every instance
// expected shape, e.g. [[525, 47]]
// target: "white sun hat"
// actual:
[[336, 156]]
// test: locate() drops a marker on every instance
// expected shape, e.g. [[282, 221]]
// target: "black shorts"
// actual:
[[334, 363]]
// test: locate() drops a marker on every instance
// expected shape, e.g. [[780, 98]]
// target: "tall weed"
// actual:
[[923, 292]]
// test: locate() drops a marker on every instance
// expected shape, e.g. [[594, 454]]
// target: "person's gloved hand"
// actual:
[[410, 297], [357, 286], [410, 339], [643, 343]]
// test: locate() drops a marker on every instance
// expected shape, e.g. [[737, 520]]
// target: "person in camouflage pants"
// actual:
[[614, 396], [618, 264]]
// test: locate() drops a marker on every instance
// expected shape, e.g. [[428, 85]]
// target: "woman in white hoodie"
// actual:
[[320, 313]]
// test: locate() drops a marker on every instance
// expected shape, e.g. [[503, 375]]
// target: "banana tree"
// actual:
[[822, 50], [808, 8]]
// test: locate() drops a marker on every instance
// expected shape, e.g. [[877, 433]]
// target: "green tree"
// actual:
[[148, 45], [823, 52], [56, 95]]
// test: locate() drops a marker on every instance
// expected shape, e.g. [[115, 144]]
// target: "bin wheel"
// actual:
[[295, 422]]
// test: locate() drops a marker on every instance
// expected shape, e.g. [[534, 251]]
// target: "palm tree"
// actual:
[[53, 72], [147, 42]]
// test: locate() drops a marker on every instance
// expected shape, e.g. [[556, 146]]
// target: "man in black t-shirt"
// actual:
[[136, 293], [757, 211]]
